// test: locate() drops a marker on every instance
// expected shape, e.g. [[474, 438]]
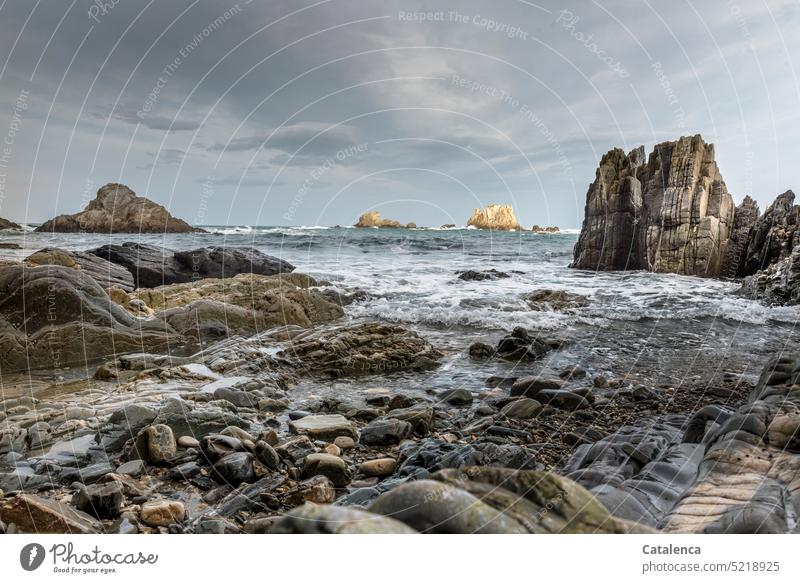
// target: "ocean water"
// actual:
[[654, 328]]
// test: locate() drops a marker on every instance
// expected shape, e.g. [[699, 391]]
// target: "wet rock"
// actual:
[[273, 405], [434, 507], [332, 467], [185, 419], [489, 274], [317, 489], [573, 373], [187, 441], [133, 468], [522, 409], [134, 417], [185, 471], [778, 284], [89, 265], [532, 386], [368, 348], [87, 474], [217, 446], [324, 427], [236, 468], [103, 501], [33, 514], [420, 418], [267, 455], [379, 468], [549, 300], [455, 397], [295, 449], [324, 519], [517, 346], [540, 502], [162, 512], [237, 397], [80, 308], [568, 400], [382, 432], [344, 442]]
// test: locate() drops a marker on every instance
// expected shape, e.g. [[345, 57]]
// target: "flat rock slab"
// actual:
[[324, 427], [36, 515]]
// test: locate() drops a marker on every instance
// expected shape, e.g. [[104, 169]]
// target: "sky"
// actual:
[[312, 112]]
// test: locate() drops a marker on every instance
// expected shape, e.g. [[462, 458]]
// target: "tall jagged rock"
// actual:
[[610, 233], [117, 209], [497, 217], [744, 218], [773, 235], [672, 214]]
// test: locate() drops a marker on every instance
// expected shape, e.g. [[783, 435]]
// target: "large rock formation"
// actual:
[[670, 214], [773, 235], [373, 219], [778, 284], [117, 209], [104, 272], [744, 218], [497, 217], [153, 266], [52, 316], [6, 224]]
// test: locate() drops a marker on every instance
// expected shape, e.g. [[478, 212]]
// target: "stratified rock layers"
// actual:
[[671, 214]]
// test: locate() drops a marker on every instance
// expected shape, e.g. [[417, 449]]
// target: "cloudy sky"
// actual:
[[311, 112]]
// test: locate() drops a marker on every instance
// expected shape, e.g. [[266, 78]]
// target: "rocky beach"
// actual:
[[638, 377]]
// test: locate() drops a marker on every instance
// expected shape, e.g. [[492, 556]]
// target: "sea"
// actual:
[[650, 328]]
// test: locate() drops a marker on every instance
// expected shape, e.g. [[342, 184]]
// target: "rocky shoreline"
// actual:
[[209, 435]]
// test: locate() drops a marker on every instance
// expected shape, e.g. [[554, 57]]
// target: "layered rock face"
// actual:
[[6, 224], [52, 315], [497, 217], [671, 214], [104, 272], [744, 218], [373, 219], [117, 209], [773, 235]]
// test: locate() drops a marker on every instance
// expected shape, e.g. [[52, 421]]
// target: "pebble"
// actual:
[[187, 441], [162, 512], [378, 468], [333, 449], [133, 468], [161, 446], [343, 442]]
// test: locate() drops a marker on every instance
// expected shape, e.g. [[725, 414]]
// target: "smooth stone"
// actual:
[[267, 455], [324, 427], [378, 468], [187, 441], [330, 466], [162, 512], [326, 519], [236, 468], [522, 409], [133, 468], [33, 514], [386, 432], [532, 386], [344, 442], [456, 397]]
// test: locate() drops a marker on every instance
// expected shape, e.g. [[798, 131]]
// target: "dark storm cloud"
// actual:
[[515, 100]]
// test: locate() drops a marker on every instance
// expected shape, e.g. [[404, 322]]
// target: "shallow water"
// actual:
[[659, 328]]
